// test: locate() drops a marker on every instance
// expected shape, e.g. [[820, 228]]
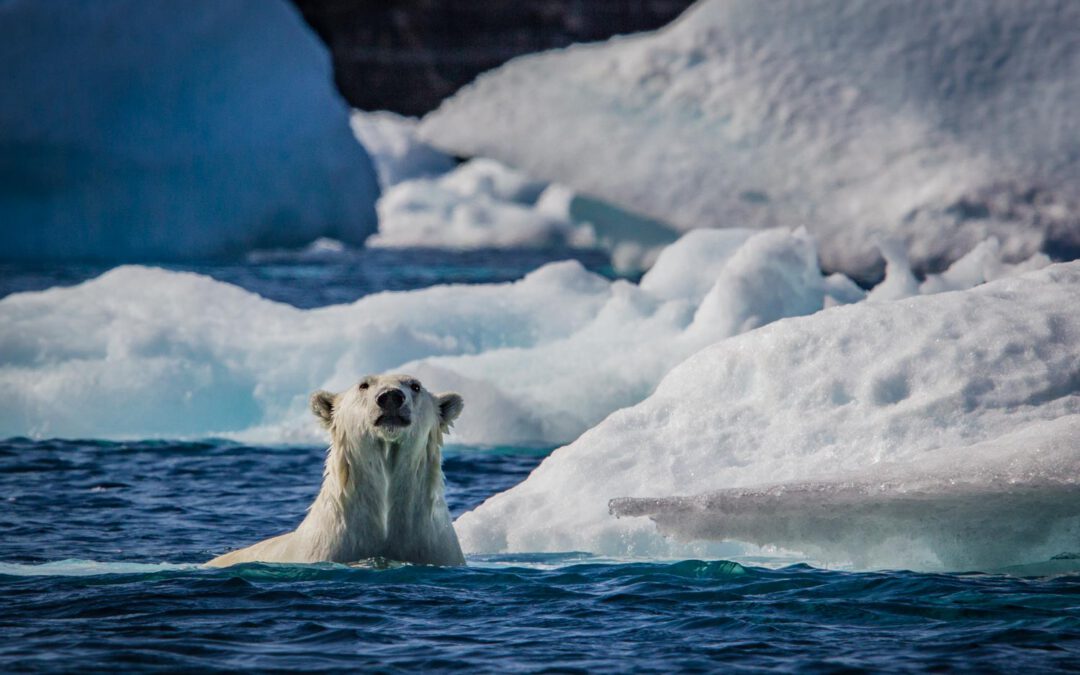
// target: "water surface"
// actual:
[[102, 541], [318, 277]]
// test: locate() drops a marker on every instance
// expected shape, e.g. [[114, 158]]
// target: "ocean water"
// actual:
[[99, 569], [329, 274], [101, 544]]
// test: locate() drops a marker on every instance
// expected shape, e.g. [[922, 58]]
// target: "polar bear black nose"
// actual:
[[391, 399]]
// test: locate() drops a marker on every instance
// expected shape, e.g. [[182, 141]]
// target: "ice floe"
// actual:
[[146, 352], [939, 126], [936, 432]]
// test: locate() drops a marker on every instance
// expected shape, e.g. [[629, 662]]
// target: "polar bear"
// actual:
[[382, 490]]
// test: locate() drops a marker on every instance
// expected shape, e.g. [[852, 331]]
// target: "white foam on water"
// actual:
[[89, 568]]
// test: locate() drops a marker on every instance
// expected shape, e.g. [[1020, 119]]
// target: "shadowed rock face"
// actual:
[[408, 55]]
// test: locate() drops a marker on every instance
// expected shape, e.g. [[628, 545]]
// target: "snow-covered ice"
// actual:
[[482, 203], [141, 130], [430, 201], [882, 398], [894, 414], [144, 352], [398, 153], [938, 125], [479, 204], [979, 265]]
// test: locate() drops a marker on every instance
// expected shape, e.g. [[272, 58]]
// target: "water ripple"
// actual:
[[130, 505]]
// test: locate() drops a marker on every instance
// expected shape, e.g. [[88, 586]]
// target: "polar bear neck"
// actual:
[[375, 493]]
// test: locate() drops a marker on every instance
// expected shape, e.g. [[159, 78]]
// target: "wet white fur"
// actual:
[[382, 490]]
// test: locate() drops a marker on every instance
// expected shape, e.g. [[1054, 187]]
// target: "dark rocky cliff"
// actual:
[[408, 55]]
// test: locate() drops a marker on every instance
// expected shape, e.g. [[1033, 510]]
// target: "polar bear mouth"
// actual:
[[392, 420]]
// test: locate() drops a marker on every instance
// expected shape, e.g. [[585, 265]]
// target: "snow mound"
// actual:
[[939, 125], [484, 204], [480, 204], [893, 413], [397, 152], [135, 130], [143, 352]]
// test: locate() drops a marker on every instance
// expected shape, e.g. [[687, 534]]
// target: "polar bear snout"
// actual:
[[393, 411], [390, 400]]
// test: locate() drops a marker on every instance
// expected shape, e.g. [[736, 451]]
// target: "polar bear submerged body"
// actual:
[[382, 490]]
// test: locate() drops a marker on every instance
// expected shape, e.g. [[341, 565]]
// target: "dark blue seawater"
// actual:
[[316, 278], [147, 513]]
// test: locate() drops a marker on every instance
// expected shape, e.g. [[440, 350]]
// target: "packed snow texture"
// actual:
[[144, 352], [142, 130], [938, 124], [893, 413]]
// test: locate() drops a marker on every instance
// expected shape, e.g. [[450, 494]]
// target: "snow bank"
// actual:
[[135, 130], [144, 352], [872, 434], [939, 125]]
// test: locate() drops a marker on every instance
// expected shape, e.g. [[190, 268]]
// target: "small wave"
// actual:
[[88, 568]]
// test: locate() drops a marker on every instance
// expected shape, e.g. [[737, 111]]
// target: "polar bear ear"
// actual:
[[322, 404], [450, 406]]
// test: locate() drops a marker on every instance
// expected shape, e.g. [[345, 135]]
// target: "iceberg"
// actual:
[[143, 352], [933, 432], [938, 126], [150, 131]]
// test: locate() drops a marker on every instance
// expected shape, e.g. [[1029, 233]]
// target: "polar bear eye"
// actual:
[[415, 386], [364, 385]]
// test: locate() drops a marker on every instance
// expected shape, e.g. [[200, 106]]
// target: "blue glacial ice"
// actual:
[[135, 131]]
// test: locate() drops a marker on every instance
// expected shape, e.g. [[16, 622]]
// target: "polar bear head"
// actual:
[[393, 408]]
